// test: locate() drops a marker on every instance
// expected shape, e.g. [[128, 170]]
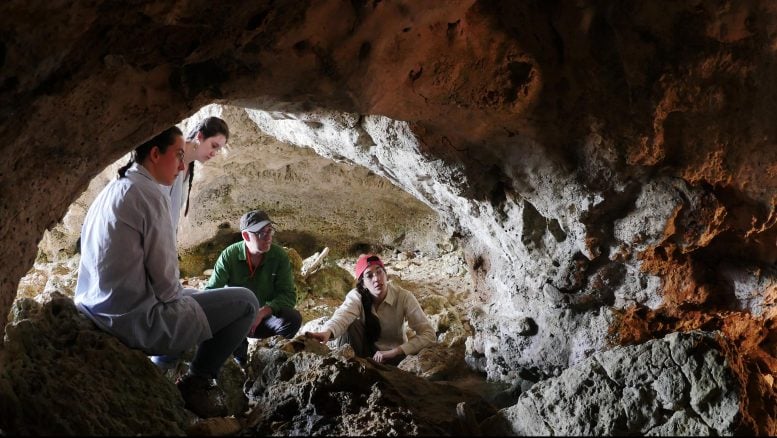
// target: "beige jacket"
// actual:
[[399, 306]]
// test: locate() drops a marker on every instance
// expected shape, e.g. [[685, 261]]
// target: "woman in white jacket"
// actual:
[[202, 143], [128, 275], [373, 316]]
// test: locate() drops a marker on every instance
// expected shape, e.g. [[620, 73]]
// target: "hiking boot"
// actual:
[[202, 396]]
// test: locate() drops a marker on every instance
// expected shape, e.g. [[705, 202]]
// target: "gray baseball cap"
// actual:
[[254, 221]]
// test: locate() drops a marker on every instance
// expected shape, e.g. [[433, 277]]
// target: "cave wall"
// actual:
[[592, 155]]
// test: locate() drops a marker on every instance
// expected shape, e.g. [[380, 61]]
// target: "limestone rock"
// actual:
[[317, 392], [63, 376], [312, 263], [678, 385], [438, 362]]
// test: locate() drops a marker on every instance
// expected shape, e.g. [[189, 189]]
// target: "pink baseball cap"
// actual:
[[365, 261]]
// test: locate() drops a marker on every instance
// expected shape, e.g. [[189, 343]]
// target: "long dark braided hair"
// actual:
[[371, 322], [163, 140], [209, 127]]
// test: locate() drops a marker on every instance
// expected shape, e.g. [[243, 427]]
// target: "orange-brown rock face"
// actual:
[[596, 158]]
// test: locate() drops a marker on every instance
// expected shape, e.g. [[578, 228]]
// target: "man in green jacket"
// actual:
[[263, 267]]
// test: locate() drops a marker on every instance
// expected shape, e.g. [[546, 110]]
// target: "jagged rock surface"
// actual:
[[63, 376], [304, 389], [53, 355], [677, 386]]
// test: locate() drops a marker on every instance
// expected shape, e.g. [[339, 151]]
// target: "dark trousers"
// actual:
[[285, 323], [230, 312], [355, 336]]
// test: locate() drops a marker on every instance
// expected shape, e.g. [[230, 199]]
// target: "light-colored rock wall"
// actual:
[[680, 385], [518, 268]]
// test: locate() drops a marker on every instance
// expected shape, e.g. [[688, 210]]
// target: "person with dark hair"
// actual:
[[373, 316], [128, 276], [263, 267], [202, 143]]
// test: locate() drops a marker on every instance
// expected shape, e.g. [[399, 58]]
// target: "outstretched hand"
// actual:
[[384, 356], [319, 336]]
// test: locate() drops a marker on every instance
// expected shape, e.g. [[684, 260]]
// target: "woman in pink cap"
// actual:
[[373, 314]]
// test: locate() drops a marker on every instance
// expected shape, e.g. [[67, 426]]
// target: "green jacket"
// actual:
[[272, 281]]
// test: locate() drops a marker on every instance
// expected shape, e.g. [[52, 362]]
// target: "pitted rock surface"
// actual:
[[679, 385], [63, 376], [306, 389]]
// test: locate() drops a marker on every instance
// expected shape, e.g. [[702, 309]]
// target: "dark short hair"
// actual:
[[163, 140]]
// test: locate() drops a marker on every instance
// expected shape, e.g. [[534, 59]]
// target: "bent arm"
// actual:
[[161, 258], [220, 276], [345, 314], [418, 321], [285, 293]]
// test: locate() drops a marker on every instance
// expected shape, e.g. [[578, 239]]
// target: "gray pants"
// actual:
[[230, 312], [355, 337]]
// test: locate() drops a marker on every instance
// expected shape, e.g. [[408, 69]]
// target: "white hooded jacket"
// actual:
[[128, 276]]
